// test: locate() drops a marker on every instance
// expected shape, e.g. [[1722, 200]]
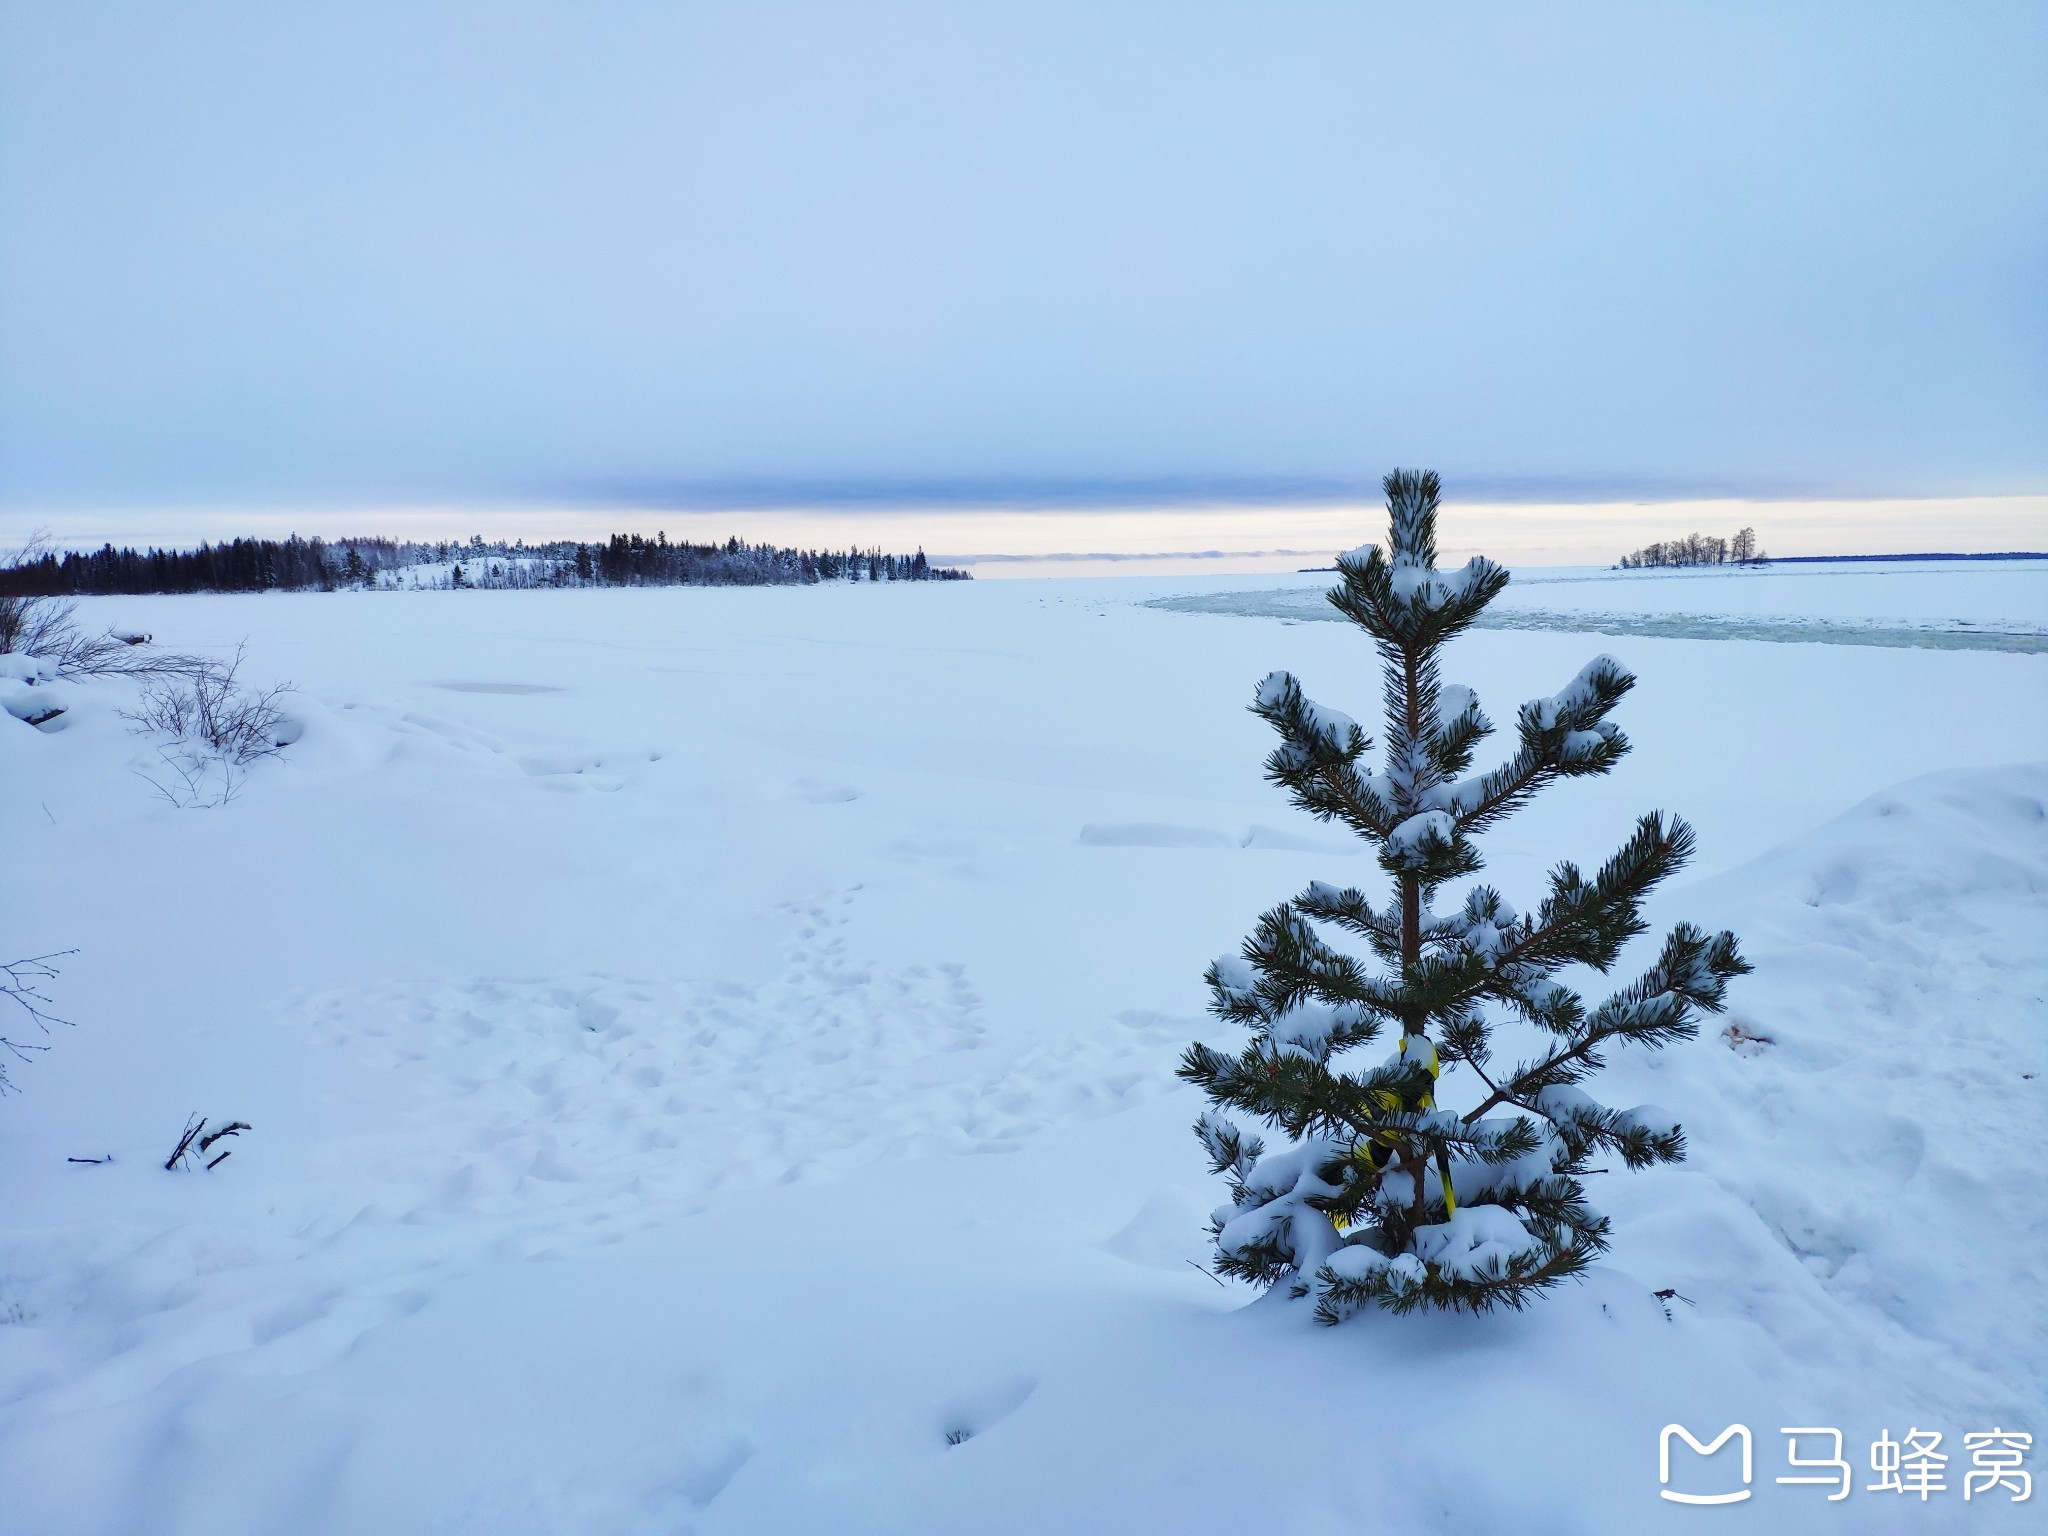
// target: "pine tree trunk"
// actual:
[[1411, 937], [1411, 885]]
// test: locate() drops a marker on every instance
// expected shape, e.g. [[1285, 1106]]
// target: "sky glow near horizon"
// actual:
[[491, 268]]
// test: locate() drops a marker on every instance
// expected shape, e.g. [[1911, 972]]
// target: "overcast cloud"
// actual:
[[689, 254]]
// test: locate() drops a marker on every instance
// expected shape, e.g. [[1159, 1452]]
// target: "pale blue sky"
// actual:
[[761, 253]]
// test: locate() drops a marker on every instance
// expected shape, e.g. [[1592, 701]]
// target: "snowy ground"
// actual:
[[707, 1050]]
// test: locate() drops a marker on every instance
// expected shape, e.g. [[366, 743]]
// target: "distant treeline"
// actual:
[[297, 565], [2003, 554], [1699, 549]]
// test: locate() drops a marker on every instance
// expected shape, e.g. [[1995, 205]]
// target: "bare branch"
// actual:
[[196, 1141], [21, 982]]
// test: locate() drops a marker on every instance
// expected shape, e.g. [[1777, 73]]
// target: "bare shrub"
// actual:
[[33, 624], [37, 626], [47, 628], [215, 725], [205, 706], [216, 728], [17, 614], [21, 982]]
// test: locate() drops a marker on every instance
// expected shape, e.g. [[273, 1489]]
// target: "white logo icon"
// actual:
[[1664, 1463]]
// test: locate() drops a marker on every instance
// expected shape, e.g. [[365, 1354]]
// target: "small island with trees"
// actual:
[[1698, 549]]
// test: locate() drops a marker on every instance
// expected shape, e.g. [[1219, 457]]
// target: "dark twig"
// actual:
[[1669, 1295], [197, 1141], [233, 1128], [193, 1127]]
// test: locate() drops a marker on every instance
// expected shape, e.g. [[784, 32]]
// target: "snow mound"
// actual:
[[1901, 952]]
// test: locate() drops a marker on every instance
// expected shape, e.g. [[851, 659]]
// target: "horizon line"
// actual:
[[1011, 540], [1160, 494]]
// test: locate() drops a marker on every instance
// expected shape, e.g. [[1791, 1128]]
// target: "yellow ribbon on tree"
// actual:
[[1375, 1152]]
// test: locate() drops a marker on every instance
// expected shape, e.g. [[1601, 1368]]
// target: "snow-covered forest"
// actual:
[[296, 564]]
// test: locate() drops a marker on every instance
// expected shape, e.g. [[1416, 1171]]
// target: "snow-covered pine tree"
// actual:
[[1380, 1196]]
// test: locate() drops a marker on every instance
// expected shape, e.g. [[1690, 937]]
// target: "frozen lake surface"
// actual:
[[1932, 605], [710, 1061]]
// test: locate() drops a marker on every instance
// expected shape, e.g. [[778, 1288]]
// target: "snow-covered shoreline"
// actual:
[[708, 1049]]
